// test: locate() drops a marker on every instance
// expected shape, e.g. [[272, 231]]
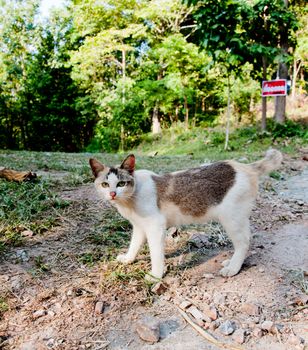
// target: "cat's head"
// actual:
[[115, 184]]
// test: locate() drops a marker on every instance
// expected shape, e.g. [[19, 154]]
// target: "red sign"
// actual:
[[276, 87]]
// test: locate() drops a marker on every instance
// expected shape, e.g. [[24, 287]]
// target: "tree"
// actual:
[[17, 40]]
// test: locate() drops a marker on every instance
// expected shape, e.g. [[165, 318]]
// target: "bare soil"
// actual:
[[57, 308]]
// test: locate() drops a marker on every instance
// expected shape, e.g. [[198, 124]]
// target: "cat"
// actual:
[[223, 191]]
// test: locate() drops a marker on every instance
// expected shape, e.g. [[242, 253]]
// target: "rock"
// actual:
[[99, 308], [267, 326], [148, 329], [251, 309], [198, 315], [184, 304], [159, 288], [227, 328], [199, 240], [209, 275], [295, 341], [210, 311], [22, 255], [239, 336], [257, 332], [27, 233], [39, 313]]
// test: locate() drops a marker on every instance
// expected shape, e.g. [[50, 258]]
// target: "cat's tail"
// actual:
[[270, 162]]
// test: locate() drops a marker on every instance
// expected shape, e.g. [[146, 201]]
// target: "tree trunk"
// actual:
[[228, 115], [264, 107], [186, 113], [280, 102], [156, 128]]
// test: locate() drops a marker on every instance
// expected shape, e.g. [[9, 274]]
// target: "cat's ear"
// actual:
[[129, 163], [96, 166]]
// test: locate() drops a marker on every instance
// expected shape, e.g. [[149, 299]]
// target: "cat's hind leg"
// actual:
[[137, 241], [239, 233]]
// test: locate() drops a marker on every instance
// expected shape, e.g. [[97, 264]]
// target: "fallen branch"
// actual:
[[18, 176], [207, 335]]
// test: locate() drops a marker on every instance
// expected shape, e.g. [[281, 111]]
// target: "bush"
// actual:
[[287, 129]]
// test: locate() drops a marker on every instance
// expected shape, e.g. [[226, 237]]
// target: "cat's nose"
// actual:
[[113, 194]]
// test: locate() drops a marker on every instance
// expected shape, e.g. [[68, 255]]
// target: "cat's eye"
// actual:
[[105, 184], [121, 184]]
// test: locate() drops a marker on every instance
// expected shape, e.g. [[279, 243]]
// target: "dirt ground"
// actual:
[[71, 306]]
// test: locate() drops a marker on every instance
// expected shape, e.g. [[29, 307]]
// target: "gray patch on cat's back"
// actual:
[[195, 190]]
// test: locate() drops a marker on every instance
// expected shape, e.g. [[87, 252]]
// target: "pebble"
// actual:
[[198, 315], [22, 255], [148, 329], [39, 313], [267, 326], [239, 336], [99, 307], [251, 309], [257, 332], [227, 328], [27, 233], [184, 304], [210, 311]]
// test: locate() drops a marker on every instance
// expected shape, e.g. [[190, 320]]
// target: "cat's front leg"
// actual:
[[156, 241], [137, 240]]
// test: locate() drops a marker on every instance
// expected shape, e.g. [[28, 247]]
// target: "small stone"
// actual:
[[257, 332], [22, 255], [148, 329], [227, 328], [209, 275], [184, 304], [198, 315], [159, 288], [295, 340], [267, 326], [239, 336], [251, 309], [51, 313], [210, 311], [199, 240], [39, 313], [99, 307], [27, 233]]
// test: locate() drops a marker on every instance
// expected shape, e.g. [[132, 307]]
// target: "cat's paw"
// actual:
[[229, 271], [124, 259], [226, 262]]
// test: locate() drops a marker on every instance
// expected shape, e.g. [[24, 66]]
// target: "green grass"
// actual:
[[26, 206], [200, 143]]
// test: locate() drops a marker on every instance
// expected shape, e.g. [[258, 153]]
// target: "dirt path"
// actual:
[[71, 305]]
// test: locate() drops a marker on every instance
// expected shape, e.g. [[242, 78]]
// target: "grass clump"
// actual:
[[26, 206]]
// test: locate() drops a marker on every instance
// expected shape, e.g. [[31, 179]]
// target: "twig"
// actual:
[[206, 335]]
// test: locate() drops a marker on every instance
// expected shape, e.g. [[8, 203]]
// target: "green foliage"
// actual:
[[288, 129], [96, 74]]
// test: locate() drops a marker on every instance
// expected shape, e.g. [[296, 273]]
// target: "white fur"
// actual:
[[149, 222]]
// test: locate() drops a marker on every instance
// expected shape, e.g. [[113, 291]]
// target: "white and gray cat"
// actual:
[[224, 191]]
